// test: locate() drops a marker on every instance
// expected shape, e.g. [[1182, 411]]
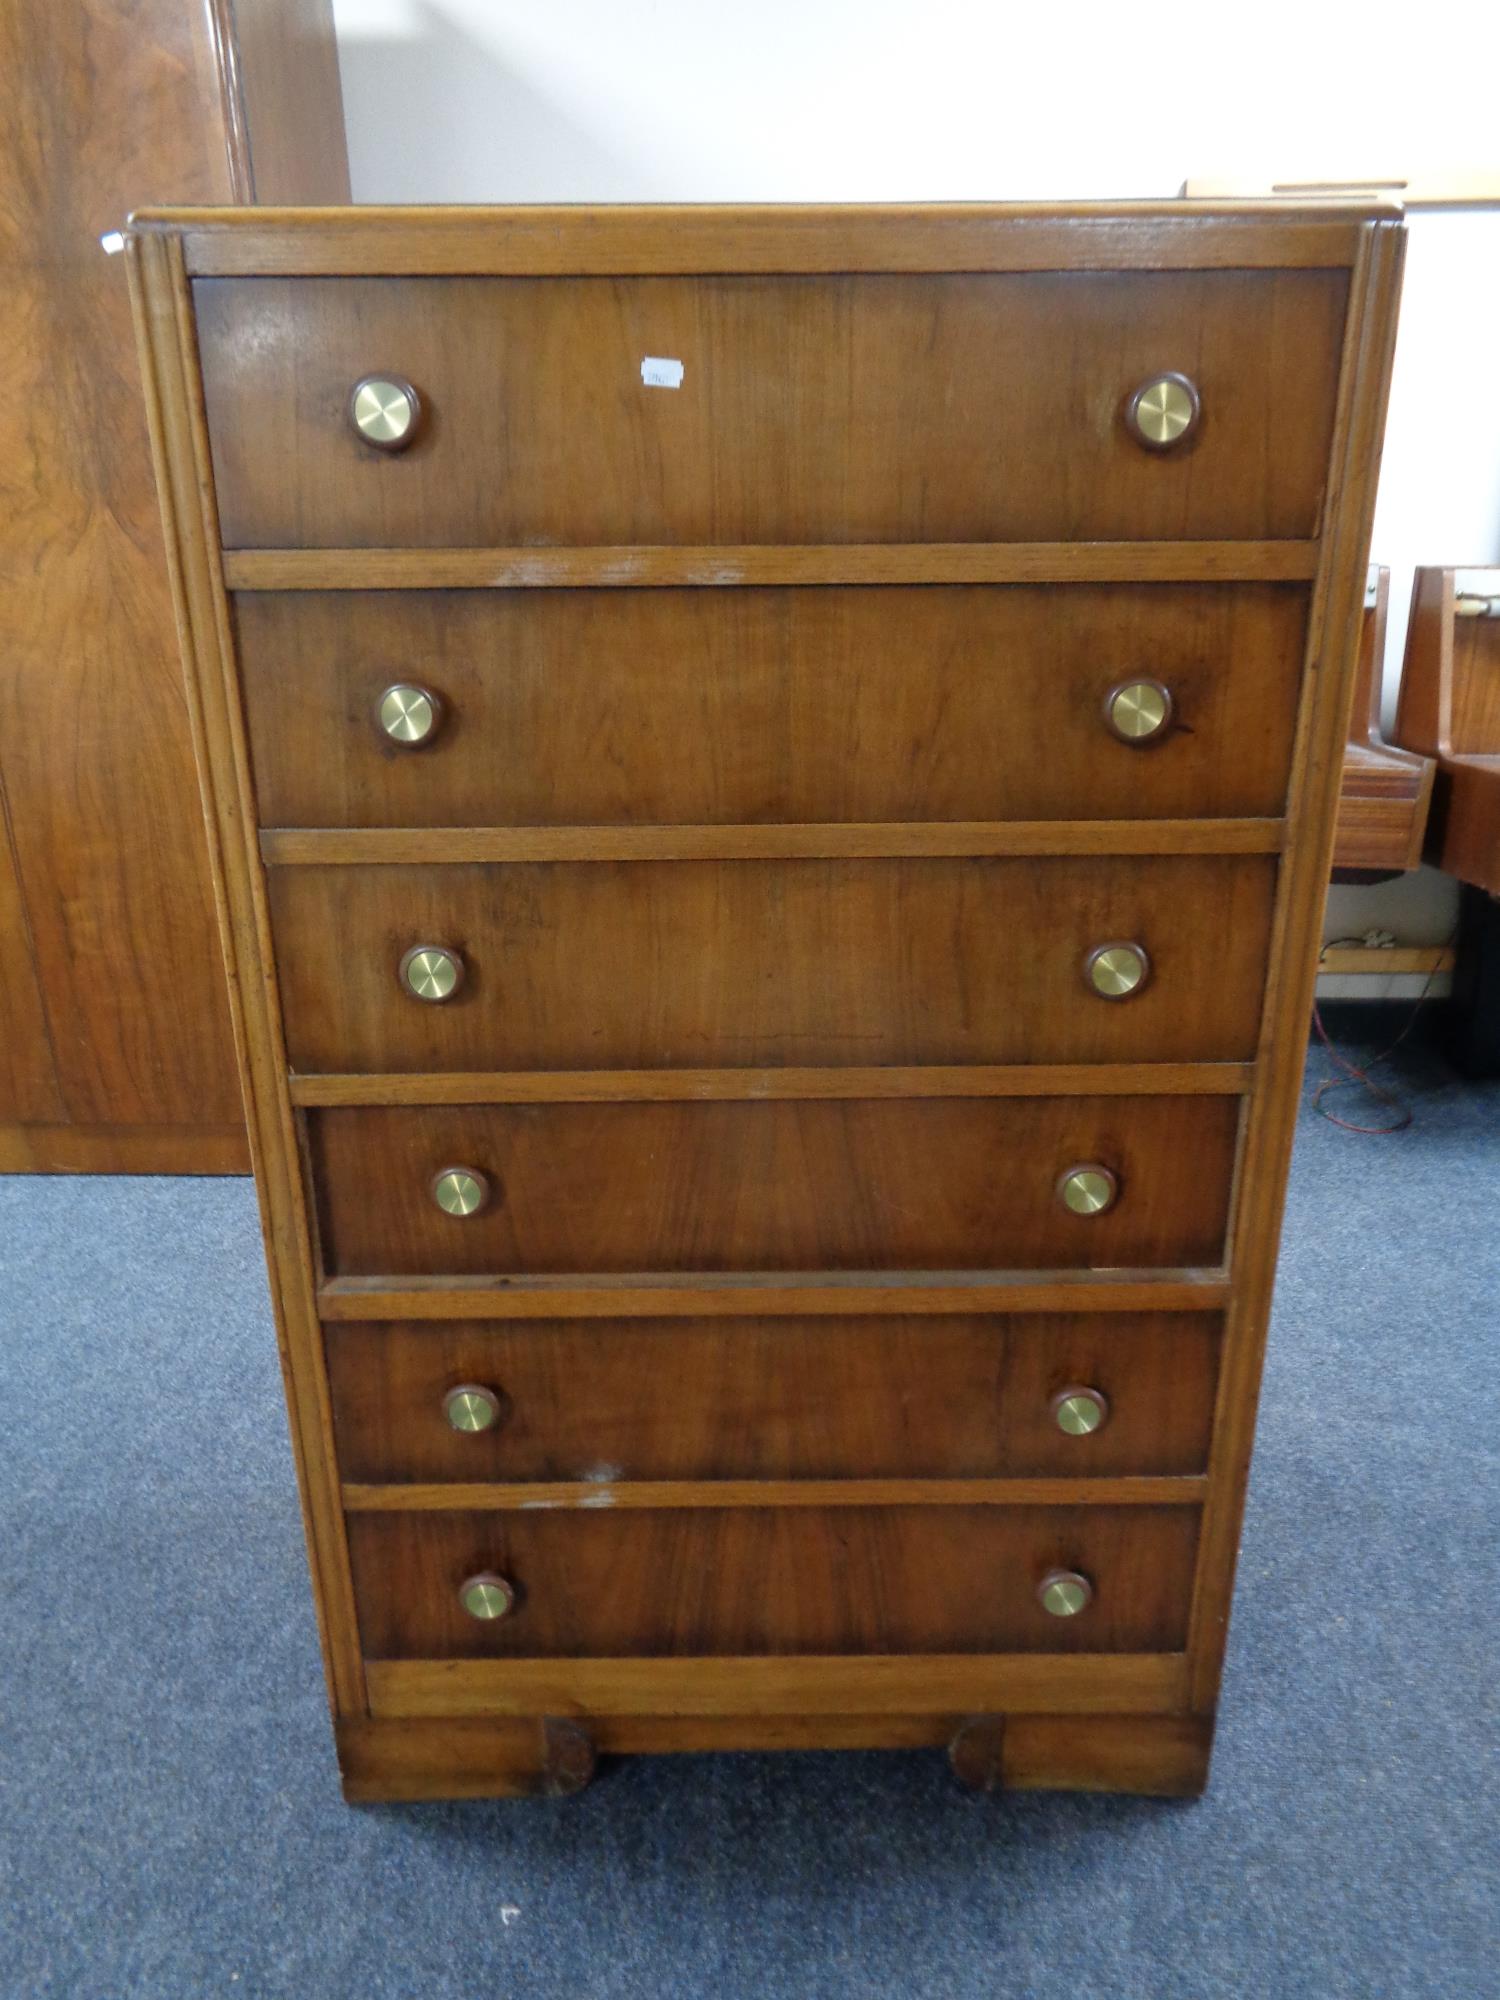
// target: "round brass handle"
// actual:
[[1079, 1411], [1138, 712], [1164, 412], [1064, 1593], [472, 1408], [1088, 1190], [460, 1191], [408, 715], [431, 972], [385, 411], [487, 1596], [1115, 971]]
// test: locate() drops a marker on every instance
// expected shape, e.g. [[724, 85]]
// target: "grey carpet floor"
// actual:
[[170, 1823]]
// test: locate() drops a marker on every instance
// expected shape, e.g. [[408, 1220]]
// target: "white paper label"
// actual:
[[658, 372], [112, 244]]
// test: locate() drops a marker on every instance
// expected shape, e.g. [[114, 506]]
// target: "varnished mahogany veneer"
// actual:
[[1450, 709], [742, 565], [542, 240], [115, 1047], [934, 1397], [775, 806], [774, 1580], [947, 1184], [418, 1757], [856, 408], [717, 964], [653, 706], [1385, 792], [1474, 717]]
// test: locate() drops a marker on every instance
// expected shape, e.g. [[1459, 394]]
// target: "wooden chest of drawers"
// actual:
[[771, 774]]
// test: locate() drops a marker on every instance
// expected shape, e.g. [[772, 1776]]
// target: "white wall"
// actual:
[[866, 100], [928, 100]]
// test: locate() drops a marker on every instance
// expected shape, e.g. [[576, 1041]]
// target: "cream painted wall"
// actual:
[[873, 100], [929, 100]]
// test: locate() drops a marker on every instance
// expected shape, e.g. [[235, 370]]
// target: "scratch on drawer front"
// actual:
[[623, 569], [521, 573], [604, 1477]]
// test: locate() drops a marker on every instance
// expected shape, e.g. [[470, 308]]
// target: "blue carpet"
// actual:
[[170, 1822]]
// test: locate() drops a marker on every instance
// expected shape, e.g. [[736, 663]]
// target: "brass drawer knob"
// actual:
[[1138, 712], [385, 411], [1088, 1190], [1163, 413], [1115, 971], [1078, 1411], [1064, 1593], [460, 1191], [487, 1596], [409, 715], [472, 1408], [431, 972]]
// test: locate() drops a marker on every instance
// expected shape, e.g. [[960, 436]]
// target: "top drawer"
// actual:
[[961, 407]]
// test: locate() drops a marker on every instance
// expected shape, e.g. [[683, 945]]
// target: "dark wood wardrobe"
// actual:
[[115, 1048]]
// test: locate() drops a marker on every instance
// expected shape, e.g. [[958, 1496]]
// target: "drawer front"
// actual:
[[723, 964], [942, 407], [932, 1184], [699, 707], [773, 1580], [935, 1396]]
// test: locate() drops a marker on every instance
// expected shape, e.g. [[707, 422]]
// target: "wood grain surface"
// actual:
[[960, 1397], [286, 99], [1385, 792], [115, 1046], [1333, 646], [1474, 717], [660, 706], [738, 566], [752, 1294], [110, 942], [590, 1496], [794, 1580], [863, 408], [395, 846], [678, 708], [579, 240], [1450, 710], [945, 1183], [722, 964], [788, 1689], [179, 448], [608, 1086]]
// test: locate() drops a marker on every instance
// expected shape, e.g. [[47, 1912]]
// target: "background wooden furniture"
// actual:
[[1450, 709], [706, 1137], [1441, 187], [115, 1045], [1385, 792]]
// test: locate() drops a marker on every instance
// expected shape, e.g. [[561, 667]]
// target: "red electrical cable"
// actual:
[[1355, 1076]]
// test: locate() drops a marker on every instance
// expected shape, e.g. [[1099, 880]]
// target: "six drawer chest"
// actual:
[[771, 775]]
